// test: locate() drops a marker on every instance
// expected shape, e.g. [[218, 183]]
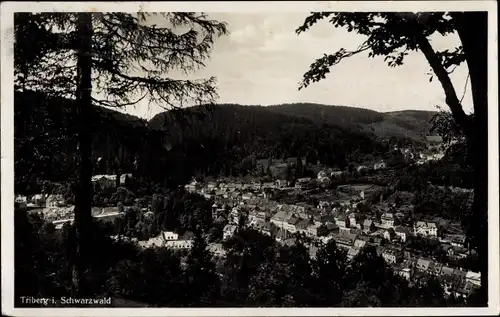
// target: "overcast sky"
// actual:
[[262, 61]]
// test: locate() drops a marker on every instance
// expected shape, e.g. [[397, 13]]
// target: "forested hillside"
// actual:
[[412, 123], [174, 145], [229, 135]]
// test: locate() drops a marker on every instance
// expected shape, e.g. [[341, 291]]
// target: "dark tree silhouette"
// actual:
[[113, 47]]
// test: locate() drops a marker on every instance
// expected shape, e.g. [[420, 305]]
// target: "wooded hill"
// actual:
[[411, 123], [221, 139]]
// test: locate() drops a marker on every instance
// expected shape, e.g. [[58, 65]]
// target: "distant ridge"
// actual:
[[413, 124], [410, 123]]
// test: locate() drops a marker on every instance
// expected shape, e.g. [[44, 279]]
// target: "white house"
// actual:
[[179, 244], [22, 201], [216, 249], [359, 244], [389, 256], [169, 235], [229, 231], [474, 278], [425, 229], [211, 186], [405, 273], [387, 220]]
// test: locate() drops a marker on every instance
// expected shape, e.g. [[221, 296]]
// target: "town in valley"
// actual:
[[189, 159]]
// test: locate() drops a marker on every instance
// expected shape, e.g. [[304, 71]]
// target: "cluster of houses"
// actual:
[[110, 181], [456, 281], [55, 209], [338, 220], [40, 201]]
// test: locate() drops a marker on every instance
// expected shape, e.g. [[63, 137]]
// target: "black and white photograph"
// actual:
[[247, 156]]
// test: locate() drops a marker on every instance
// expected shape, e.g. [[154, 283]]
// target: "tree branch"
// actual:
[[451, 96]]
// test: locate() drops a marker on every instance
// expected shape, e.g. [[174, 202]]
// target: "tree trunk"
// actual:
[[472, 28], [83, 195]]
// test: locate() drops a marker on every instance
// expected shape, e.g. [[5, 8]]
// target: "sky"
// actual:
[[262, 61]]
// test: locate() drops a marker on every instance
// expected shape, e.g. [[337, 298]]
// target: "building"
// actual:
[[391, 256], [387, 220], [458, 241], [340, 220], [104, 181], [282, 183], [37, 200], [368, 226], [291, 224], [312, 230], [215, 211], [125, 177], [302, 226], [402, 232], [216, 249], [473, 278], [21, 201], [169, 235], [404, 272], [359, 244], [179, 244], [280, 218], [426, 229], [352, 220], [322, 174], [435, 268], [211, 186], [423, 265], [229, 231], [448, 249], [389, 234], [193, 187], [330, 227], [304, 183], [345, 240]]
